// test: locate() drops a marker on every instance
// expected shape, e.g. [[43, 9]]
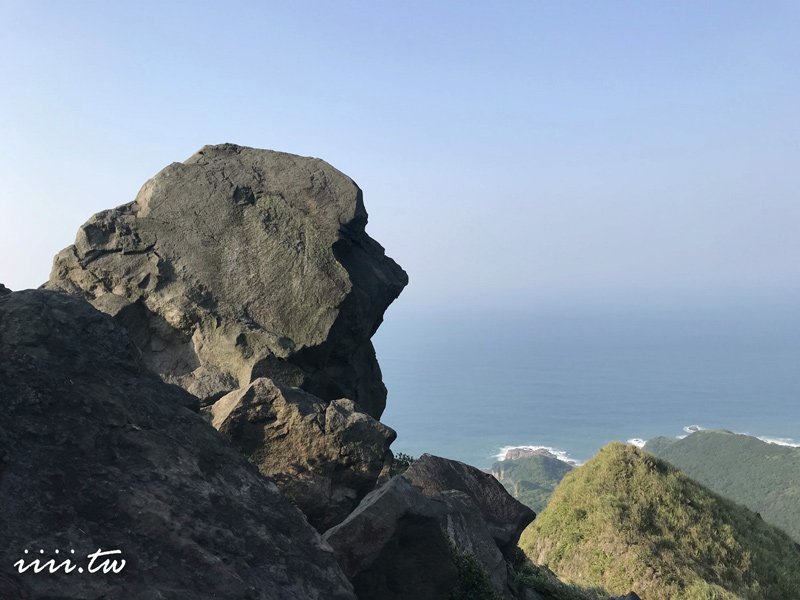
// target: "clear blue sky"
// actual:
[[511, 153]]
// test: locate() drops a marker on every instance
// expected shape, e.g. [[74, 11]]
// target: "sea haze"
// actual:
[[467, 385]]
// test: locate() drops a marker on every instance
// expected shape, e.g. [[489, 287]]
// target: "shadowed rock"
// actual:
[[360, 538], [238, 264], [465, 527], [399, 543], [96, 452], [325, 457], [4, 290], [505, 516]]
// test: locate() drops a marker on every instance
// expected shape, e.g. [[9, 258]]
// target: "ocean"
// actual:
[[469, 385]]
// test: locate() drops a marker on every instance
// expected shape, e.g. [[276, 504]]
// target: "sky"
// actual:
[[512, 154]]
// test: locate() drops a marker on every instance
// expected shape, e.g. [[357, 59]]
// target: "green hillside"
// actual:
[[627, 520], [531, 479], [764, 477]]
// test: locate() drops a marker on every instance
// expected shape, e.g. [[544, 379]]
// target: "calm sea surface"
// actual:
[[465, 386]]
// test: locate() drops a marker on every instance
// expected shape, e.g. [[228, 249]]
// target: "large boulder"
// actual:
[[324, 456], [400, 544], [97, 453], [505, 516], [238, 264]]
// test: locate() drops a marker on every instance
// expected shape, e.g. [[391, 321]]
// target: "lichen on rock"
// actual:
[[238, 264]]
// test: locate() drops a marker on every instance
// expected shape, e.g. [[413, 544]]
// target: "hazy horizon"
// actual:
[[524, 156], [466, 387]]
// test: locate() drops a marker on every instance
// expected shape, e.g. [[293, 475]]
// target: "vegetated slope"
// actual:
[[531, 479], [764, 477], [627, 520]]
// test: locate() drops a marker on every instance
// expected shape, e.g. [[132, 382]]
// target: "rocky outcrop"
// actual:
[[4, 290], [469, 534], [239, 264], [505, 517], [359, 540], [434, 514], [400, 544], [325, 457], [528, 452], [95, 452]]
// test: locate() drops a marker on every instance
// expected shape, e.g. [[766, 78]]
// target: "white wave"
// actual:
[[554, 452], [693, 428], [640, 442], [780, 441], [791, 443]]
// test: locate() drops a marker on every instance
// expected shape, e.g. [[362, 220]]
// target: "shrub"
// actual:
[[401, 463]]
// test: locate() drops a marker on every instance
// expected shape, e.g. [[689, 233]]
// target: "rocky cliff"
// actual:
[[241, 274], [196, 388], [238, 264], [98, 453]]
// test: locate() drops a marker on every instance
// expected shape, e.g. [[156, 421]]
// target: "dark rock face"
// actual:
[[399, 543], [95, 452], [505, 516], [464, 526], [4, 290], [414, 564], [239, 264], [392, 546], [325, 457]]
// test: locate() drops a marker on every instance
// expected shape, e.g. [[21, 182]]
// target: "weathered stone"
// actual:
[[387, 472], [4, 290], [467, 531], [96, 452], [399, 543], [359, 539], [324, 456], [238, 264], [505, 516]]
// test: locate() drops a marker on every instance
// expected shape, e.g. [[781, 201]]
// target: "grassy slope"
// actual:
[[531, 480], [629, 521], [764, 477]]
